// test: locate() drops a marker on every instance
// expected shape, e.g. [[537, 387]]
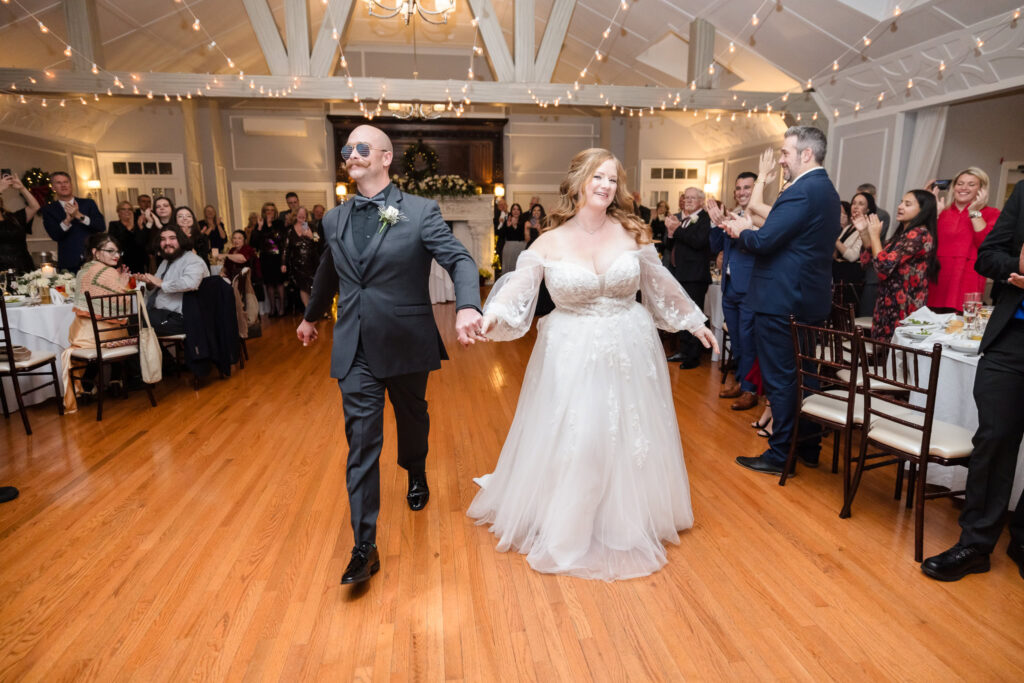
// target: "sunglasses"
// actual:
[[362, 148]]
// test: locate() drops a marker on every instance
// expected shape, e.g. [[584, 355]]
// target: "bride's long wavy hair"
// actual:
[[581, 170]]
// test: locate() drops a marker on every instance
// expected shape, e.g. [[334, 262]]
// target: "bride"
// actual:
[[591, 478]]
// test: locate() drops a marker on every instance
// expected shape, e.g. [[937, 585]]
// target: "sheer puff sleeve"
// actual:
[[663, 296], [513, 299]]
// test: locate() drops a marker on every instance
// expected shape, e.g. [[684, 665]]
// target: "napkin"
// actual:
[[929, 316], [56, 297]]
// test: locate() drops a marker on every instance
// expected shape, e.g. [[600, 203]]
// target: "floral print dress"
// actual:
[[902, 268]]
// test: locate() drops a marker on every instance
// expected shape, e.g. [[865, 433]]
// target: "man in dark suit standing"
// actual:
[[688, 257], [792, 277], [69, 221], [999, 394], [737, 266], [379, 249]]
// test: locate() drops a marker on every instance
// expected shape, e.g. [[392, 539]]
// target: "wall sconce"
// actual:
[[709, 189], [92, 184], [499, 190], [340, 190]]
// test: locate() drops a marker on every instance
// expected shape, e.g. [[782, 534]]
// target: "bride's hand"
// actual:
[[486, 325], [707, 338]]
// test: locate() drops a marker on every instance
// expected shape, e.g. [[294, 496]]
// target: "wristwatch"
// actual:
[[974, 214]]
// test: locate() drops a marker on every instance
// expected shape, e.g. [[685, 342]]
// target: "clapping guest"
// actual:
[[69, 221], [658, 232], [301, 254], [532, 223], [133, 240], [688, 253], [199, 243], [250, 226], [213, 228], [846, 265], [511, 238], [962, 227], [905, 263], [14, 228], [268, 240], [240, 256], [152, 221], [101, 274]]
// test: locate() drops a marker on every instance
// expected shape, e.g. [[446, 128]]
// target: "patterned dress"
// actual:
[[902, 268]]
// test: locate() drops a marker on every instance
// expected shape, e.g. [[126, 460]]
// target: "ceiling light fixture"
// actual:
[[442, 9]]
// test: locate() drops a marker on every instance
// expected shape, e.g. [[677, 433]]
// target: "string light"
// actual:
[[195, 25], [67, 51], [867, 41], [754, 21]]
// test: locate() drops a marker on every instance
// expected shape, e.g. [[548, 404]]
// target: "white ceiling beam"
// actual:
[[554, 36], [524, 39], [80, 16], [336, 15], [268, 36], [402, 89], [296, 26], [494, 39]]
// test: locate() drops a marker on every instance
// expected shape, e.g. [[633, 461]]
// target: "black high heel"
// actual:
[[763, 430]]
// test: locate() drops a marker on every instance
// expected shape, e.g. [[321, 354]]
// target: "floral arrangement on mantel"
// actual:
[[437, 186], [29, 282]]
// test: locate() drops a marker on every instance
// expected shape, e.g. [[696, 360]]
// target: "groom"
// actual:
[[385, 339]]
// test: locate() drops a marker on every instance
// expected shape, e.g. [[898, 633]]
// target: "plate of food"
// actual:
[[15, 301], [968, 346], [920, 333], [915, 322]]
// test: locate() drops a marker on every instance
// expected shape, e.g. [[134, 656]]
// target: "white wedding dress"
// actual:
[[591, 478]]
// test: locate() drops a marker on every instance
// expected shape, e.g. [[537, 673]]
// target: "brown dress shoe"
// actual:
[[745, 402], [732, 391]]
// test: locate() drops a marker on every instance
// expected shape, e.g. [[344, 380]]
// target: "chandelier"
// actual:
[[415, 110], [406, 8]]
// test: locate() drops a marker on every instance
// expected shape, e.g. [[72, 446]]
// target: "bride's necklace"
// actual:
[[588, 230]]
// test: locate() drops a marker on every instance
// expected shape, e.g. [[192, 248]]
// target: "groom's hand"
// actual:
[[306, 332], [467, 326]]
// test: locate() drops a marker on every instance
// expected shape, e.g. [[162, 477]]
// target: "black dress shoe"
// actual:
[[8, 493], [1016, 553], [689, 365], [807, 462], [676, 358], [760, 464], [956, 563], [365, 563], [419, 493]]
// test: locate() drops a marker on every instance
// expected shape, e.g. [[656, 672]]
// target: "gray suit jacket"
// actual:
[[383, 299]]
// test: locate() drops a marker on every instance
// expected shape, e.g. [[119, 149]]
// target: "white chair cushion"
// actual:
[[864, 322], [948, 440], [876, 384], [37, 358], [108, 354], [834, 409]]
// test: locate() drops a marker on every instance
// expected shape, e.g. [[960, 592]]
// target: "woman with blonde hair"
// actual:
[[964, 220], [591, 479]]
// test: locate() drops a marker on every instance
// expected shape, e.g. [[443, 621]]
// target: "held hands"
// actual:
[[306, 332], [707, 338], [468, 326]]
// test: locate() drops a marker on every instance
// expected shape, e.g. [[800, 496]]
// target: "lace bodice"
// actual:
[[578, 290]]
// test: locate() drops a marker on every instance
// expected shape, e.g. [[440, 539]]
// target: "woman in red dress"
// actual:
[[962, 227], [905, 263]]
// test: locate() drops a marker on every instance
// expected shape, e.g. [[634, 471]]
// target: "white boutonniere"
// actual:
[[316, 237], [389, 215]]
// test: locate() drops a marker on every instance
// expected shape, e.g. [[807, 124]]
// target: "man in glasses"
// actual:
[[377, 260]]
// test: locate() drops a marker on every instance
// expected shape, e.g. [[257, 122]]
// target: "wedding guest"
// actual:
[[180, 271], [532, 223], [99, 275], [688, 253], [250, 226], [639, 209], [145, 203], [862, 205], [268, 240], [213, 228], [198, 242], [905, 263], [658, 232], [512, 238], [292, 200], [69, 221], [240, 255], [883, 215], [846, 265], [317, 220], [301, 254], [962, 227], [152, 221], [998, 393], [791, 252], [133, 240], [14, 228]]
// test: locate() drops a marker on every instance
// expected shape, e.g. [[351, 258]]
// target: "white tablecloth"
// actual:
[[713, 310], [954, 404], [440, 284], [39, 328]]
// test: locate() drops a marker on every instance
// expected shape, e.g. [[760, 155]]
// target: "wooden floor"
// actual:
[[204, 540]]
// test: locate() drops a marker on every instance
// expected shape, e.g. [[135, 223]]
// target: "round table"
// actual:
[[39, 328]]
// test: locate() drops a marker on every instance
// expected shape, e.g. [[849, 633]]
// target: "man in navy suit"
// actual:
[[69, 222], [792, 277], [737, 266], [999, 394]]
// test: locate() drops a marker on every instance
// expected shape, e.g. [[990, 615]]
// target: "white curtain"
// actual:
[[926, 148]]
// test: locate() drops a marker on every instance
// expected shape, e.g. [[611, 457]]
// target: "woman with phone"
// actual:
[[15, 226], [964, 221]]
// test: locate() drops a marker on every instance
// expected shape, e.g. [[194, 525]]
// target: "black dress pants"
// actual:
[[362, 399], [689, 346], [999, 395]]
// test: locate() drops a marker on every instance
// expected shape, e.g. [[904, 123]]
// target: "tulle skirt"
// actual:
[[591, 479]]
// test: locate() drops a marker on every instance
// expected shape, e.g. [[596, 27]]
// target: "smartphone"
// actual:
[[5, 171], [942, 184]]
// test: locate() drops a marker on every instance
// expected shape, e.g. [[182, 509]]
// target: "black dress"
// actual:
[[133, 243], [269, 242], [14, 254], [659, 234], [216, 241], [301, 255]]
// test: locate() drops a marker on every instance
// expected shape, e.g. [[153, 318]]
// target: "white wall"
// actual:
[[866, 152], [538, 149]]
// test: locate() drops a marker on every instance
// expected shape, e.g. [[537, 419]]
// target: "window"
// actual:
[[120, 168]]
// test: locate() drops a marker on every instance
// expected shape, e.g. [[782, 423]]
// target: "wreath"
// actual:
[[38, 183], [419, 161]]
